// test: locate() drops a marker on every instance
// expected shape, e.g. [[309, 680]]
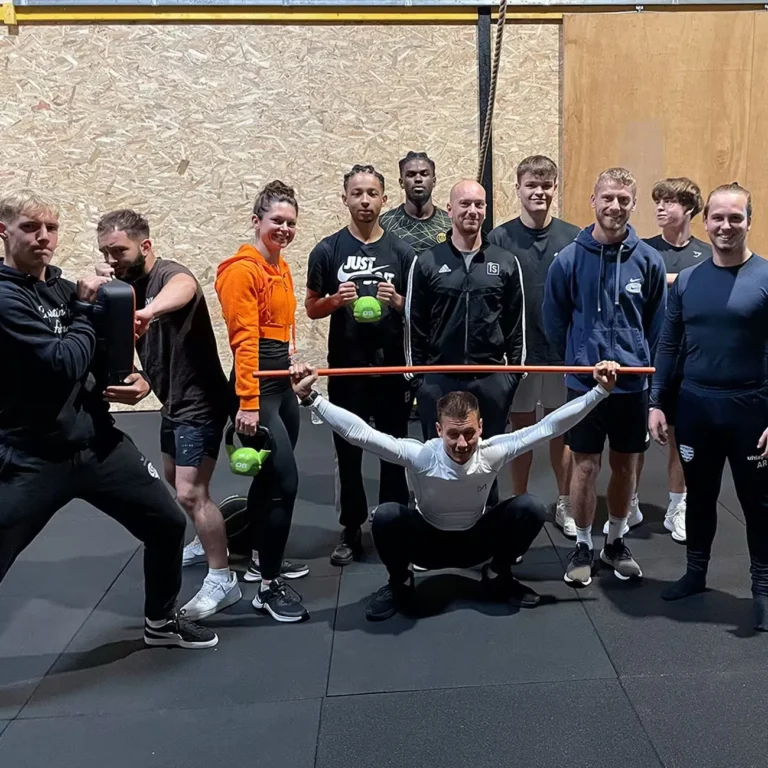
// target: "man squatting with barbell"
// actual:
[[451, 475]]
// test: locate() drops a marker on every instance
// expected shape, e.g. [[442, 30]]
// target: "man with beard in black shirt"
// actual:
[[336, 278], [177, 349], [58, 441], [536, 238], [418, 220]]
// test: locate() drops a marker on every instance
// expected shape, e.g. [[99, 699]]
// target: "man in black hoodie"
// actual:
[[58, 441]]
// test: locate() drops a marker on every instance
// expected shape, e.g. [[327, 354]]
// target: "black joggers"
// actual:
[[505, 532], [117, 479], [712, 427], [387, 401]]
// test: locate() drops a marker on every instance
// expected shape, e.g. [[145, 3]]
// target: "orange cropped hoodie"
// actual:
[[257, 302]]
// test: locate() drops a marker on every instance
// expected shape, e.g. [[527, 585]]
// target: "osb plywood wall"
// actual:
[[185, 123], [527, 119]]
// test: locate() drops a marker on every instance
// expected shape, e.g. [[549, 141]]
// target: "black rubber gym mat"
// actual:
[[536, 726], [500, 687], [462, 638], [705, 721], [282, 733], [645, 635], [107, 668]]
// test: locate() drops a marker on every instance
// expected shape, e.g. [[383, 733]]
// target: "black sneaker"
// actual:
[[390, 599], [506, 587], [349, 548], [579, 571], [181, 633], [288, 570], [282, 602], [618, 556]]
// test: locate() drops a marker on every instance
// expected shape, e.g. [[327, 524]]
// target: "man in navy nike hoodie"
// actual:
[[605, 298], [57, 439]]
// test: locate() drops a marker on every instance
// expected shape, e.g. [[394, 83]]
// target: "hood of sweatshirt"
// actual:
[[248, 253]]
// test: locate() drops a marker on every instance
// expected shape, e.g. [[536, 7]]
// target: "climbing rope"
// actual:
[[488, 127]]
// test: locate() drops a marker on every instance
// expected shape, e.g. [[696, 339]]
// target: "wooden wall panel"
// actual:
[[664, 94]]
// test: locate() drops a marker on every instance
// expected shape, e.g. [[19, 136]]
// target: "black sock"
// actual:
[[691, 584], [760, 612]]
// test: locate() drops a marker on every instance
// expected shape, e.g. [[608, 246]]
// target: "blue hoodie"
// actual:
[[605, 302]]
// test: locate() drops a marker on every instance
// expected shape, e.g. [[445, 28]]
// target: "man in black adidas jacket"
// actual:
[[465, 306], [58, 441]]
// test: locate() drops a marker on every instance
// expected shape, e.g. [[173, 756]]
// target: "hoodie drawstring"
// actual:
[[600, 282], [618, 270]]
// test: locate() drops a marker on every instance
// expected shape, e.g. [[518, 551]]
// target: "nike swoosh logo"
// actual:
[[635, 279], [347, 276]]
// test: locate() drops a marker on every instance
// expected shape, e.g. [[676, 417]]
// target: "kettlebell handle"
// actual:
[[261, 431], [359, 278]]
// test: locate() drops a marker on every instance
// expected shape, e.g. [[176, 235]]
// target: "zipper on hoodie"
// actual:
[[466, 310]]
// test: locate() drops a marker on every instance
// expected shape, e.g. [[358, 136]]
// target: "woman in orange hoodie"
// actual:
[[255, 289]]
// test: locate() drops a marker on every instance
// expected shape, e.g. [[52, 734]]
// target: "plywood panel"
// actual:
[[757, 169], [527, 114], [664, 94], [185, 123]]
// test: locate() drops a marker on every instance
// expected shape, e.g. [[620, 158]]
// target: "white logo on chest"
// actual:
[[635, 285], [359, 266]]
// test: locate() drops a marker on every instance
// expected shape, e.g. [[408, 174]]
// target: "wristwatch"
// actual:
[[309, 399]]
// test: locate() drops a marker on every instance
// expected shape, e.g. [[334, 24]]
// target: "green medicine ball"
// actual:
[[367, 309]]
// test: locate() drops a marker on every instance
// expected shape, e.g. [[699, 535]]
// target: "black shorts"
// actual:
[[622, 418], [189, 444]]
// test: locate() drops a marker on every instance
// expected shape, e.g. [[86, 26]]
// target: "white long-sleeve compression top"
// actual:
[[449, 495]]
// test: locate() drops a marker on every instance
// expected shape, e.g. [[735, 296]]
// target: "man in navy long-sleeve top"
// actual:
[[604, 298], [719, 310]]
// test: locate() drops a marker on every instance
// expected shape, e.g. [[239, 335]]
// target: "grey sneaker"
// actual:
[[618, 556], [579, 571]]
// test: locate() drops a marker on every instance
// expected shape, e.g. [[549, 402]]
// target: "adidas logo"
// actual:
[[445, 268]]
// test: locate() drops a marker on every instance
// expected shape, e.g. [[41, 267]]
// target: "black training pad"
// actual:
[[465, 683]]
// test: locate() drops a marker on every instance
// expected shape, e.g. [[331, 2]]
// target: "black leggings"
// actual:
[[117, 479], [710, 429], [505, 532], [272, 494]]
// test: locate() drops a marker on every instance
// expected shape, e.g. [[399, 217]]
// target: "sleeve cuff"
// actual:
[[249, 403]]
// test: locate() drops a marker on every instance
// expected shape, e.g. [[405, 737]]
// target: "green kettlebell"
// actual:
[[367, 309], [246, 461]]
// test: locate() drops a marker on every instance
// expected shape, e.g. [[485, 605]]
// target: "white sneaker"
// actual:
[[564, 518], [193, 553], [674, 521], [213, 596], [634, 518]]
